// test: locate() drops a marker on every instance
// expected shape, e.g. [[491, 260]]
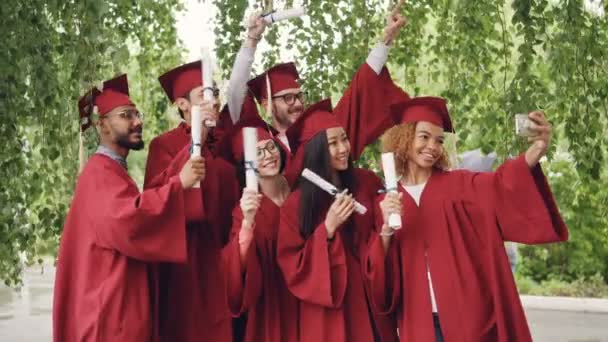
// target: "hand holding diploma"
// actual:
[[329, 188], [390, 180], [339, 211], [192, 172], [394, 22], [250, 203], [256, 25]]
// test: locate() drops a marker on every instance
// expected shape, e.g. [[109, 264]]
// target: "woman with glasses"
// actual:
[[321, 240], [255, 287]]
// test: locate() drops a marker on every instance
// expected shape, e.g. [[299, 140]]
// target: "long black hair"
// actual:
[[312, 199]]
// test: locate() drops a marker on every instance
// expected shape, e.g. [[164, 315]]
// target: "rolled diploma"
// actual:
[[330, 188], [196, 134], [284, 14], [390, 181], [250, 142], [207, 72]]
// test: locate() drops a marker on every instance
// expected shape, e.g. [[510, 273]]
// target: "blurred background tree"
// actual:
[[490, 59]]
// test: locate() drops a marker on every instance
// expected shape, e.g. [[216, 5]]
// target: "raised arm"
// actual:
[[241, 70]]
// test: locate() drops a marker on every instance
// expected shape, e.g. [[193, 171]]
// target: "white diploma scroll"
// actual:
[[207, 71], [196, 134], [390, 181], [250, 142], [275, 16], [330, 188]]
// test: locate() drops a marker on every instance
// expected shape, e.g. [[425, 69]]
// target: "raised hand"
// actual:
[[394, 22], [255, 28], [540, 137]]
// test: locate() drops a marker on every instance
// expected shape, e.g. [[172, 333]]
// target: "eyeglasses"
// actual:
[[129, 115], [270, 146], [215, 90], [290, 99]]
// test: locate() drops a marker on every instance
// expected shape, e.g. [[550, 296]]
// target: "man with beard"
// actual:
[[278, 89], [191, 295], [113, 233]]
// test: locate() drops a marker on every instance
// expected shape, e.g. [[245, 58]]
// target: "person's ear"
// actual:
[[182, 104]]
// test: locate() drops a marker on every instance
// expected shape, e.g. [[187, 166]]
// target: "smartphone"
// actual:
[[522, 125]]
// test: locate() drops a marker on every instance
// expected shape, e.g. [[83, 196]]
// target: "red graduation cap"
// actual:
[[426, 108], [282, 76], [315, 119], [115, 93], [178, 82]]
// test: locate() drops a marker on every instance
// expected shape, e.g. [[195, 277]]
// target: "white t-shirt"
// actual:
[[416, 191]]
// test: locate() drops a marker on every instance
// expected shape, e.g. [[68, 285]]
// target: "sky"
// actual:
[[194, 26]]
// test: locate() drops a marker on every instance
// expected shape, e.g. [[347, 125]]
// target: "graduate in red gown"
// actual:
[[360, 110], [322, 242], [256, 287], [191, 298], [445, 272], [113, 232]]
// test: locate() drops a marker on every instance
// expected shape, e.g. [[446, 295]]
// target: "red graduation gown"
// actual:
[[460, 226], [328, 277], [261, 292], [111, 234], [363, 111], [192, 296]]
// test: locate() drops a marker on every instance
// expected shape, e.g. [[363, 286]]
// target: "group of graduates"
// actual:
[[290, 262]]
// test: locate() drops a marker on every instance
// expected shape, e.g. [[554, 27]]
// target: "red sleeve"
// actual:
[[522, 202], [148, 226], [314, 269], [158, 160], [160, 167], [382, 269], [244, 280], [363, 110]]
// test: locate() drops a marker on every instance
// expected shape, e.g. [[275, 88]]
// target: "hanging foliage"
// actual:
[[491, 60], [53, 51]]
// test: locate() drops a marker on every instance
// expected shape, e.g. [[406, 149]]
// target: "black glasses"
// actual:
[[129, 115], [270, 146], [290, 99]]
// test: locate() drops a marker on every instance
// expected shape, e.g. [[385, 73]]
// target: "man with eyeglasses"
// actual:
[[191, 297], [285, 96], [113, 234]]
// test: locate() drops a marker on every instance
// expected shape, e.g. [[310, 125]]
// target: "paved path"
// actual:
[[26, 316]]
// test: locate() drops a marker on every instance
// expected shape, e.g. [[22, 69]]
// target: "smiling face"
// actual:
[[269, 158], [339, 148], [123, 126], [287, 106], [427, 145]]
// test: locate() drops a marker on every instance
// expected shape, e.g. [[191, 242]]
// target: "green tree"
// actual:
[[491, 60], [53, 51]]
